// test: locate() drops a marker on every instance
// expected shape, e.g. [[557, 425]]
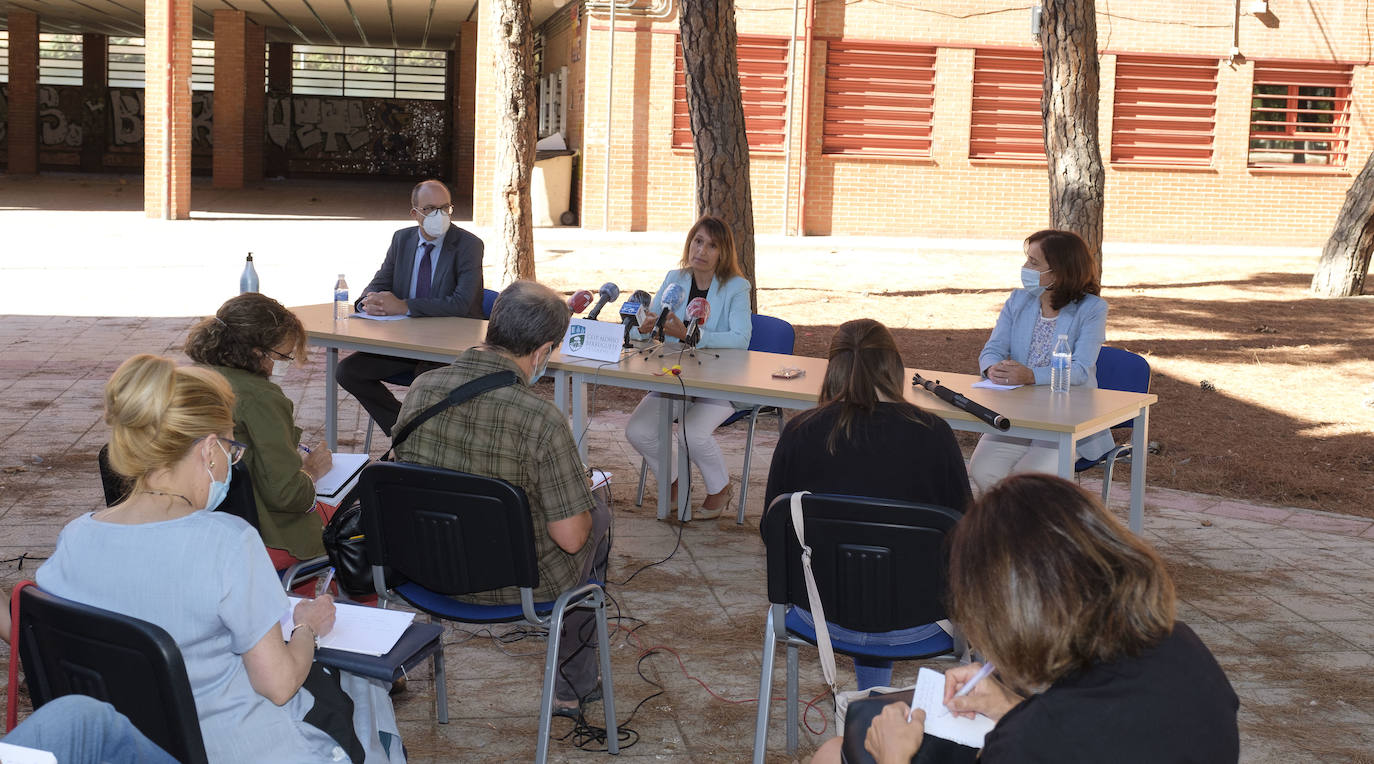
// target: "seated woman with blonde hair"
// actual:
[[161, 555], [1077, 615]]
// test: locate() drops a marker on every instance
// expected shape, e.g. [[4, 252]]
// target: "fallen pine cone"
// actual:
[[1208, 386]]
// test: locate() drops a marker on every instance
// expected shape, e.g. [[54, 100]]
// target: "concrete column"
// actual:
[[167, 110], [23, 92], [464, 100], [95, 106], [278, 109]]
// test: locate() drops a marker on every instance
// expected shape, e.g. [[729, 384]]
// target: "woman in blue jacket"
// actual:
[[709, 269], [1061, 280]]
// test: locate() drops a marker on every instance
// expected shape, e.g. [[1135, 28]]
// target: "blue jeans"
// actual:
[[78, 728], [873, 672]]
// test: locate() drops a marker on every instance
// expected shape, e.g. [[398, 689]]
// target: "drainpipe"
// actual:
[[167, 118], [791, 99], [610, 90], [806, 117]]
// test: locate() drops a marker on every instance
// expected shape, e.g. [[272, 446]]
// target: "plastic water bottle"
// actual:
[[342, 307], [248, 282], [1060, 365]]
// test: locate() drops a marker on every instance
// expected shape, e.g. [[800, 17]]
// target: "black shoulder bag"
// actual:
[[343, 537]]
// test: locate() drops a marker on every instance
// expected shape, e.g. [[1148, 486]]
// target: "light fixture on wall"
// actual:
[[1035, 22], [1258, 7]]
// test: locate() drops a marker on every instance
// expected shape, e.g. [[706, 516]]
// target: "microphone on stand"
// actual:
[[672, 303], [609, 291], [630, 312], [579, 300], [698, 310]]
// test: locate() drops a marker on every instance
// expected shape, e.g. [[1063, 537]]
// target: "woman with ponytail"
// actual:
[[161, 555], [864, 439]]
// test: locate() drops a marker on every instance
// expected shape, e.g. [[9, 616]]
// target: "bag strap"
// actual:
[[813, 595], [456, 396], [12, 687]]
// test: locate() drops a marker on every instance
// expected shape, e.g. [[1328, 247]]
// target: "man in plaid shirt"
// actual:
[[512, 434]]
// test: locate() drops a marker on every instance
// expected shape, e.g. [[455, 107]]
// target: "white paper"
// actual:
[[336, 483], [600, 478], [597, 340], [371, 317], [988, 384], [17, 754], [357, 628], [930, 696]]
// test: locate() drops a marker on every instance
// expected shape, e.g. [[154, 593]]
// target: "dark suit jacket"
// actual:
[[457, 284]]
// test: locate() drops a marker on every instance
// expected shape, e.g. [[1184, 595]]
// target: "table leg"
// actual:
[[1067, 452], [1140, 448], [331, 399], [665, 457], [579, 412], [560, 389], [684, 508]]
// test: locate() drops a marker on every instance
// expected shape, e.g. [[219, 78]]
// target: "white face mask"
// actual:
[[541, 368], [279, 368], [435, 223], [1030, 279]]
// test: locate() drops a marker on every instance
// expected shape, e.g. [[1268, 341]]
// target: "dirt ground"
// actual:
[[1265, 392]]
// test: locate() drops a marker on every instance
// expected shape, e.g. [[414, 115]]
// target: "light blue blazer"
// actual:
[[729, 325], [1085, 322]]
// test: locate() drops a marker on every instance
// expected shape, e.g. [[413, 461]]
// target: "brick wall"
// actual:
[[948, 194], [22, 130], [167, 135]]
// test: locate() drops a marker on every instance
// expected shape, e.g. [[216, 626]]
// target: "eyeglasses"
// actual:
[[281, 356], [234, 448], [429, 209]]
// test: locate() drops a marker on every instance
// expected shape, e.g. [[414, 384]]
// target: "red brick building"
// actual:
[[1220, 122]]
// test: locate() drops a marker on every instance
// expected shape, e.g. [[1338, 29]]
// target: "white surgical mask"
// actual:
[[1030, 279], [218, 488], [435, 223], [541, 368], [279, 368]]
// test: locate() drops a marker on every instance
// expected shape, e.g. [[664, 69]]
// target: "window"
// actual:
[[763, 87], [1006, 121], [879, 99], [368, 72], [128, 59], [4, 56], [1299, 114], [59, 59], [1165, 110]]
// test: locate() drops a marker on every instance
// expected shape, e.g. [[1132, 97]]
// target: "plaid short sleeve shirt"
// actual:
[[512, 434]]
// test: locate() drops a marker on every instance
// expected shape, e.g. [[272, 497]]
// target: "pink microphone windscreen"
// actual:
[[579, 301], [698, 309]]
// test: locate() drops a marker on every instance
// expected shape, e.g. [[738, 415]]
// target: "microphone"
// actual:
[[630, 312], [579, 301], [672, 303], [958, 401], [609, 291], [698, 310]]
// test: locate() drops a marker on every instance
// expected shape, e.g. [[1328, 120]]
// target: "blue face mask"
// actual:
[[219, 488], [1030, 279], [541, 368]]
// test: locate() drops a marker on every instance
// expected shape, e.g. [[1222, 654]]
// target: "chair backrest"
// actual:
[[239, 501], [772, 335], [1119, 369], [488, 300], [69, 648], [879, 564], [450, 532]]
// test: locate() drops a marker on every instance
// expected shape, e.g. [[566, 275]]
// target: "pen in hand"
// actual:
[[328, 579], [983, 673], [304, 448]]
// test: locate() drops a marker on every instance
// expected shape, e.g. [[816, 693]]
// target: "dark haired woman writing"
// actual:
[[1060, 283], [252, 340], [863, 439], [1077, 614]]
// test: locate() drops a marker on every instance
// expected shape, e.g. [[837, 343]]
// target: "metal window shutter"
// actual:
[[763, 89], [879, 99], [1291, 123], [1164, 110], [1005, 122]]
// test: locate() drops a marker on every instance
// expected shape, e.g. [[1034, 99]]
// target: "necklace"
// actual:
[[165, 493]]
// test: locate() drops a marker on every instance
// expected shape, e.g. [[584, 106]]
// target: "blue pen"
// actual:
[[303, 447]]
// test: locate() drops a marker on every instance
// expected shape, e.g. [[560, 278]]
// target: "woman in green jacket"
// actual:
[[252, 339]]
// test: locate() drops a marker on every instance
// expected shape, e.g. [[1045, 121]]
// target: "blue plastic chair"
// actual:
[[449, 533], [879, 566], [407, 378], [1123, 370], [769, 335]]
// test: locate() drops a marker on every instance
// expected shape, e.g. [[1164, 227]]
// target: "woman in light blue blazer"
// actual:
[[1061, 280], [709, 269]]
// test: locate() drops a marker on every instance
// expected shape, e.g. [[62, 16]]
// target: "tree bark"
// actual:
[[512, 47], [1068, 38], [1344, 263], [716, 109]]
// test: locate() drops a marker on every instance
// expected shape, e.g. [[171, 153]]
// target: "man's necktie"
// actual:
[[426, 273]]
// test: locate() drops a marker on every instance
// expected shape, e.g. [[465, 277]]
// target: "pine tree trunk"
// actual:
[[1068, 37], [514, 85], [717, 117], [1344, 263]]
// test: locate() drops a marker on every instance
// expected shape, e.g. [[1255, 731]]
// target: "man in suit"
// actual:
[[432, 269]]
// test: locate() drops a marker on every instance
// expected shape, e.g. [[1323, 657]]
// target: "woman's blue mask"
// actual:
[[219, 488]]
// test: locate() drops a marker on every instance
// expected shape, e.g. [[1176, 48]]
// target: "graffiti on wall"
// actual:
[[374, 136], [126, 117]]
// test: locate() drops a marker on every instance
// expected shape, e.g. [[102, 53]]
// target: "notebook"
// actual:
[[340, 478], [357, 628]]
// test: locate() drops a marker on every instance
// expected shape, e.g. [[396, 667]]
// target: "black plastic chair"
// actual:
[[449, 533], [73, 649], [879, 565]]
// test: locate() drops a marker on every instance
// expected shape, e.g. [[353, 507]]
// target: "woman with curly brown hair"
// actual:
[[1077, 614], [251, 339]]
